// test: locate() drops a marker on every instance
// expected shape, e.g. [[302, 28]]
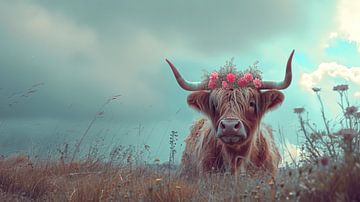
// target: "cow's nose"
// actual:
[[231, 130], [230, 125]]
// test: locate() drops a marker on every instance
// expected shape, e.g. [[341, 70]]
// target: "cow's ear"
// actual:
[[271, 99], [199, 100]]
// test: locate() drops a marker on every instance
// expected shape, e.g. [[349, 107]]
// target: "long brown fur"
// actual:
[[205, 153]]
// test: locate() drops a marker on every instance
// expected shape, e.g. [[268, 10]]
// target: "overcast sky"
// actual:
[[60, 61]]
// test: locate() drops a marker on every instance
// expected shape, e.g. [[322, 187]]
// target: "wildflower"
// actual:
[[212, 84], [348, 134], [158, 180], [316, 89], [324, 160], [157, 160], [350, 110], [341, 88], [225, 85], [177, 187], [242, 82], [257, 83], [231, 77], [248, 77], [299, 110], [214, 76]]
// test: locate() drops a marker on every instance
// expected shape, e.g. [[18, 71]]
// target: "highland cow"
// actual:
[[231, 136]]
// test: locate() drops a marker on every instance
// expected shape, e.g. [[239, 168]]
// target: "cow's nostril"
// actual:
[[222, 125], [237, 126]]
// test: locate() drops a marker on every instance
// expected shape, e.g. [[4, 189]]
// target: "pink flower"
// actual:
[[257, 83], [225, 85], [324, 160], [242, 82], [214, 76], [212, 84], [231, 77], [248, 77]]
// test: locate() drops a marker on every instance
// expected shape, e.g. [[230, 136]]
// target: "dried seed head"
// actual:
[[299, 110], [341, 88], [350, 110], [348, 134], [316, 89]]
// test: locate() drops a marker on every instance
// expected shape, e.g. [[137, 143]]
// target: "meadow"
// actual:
[[328, 169]]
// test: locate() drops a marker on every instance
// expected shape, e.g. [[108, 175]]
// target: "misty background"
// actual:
[[61, 61]]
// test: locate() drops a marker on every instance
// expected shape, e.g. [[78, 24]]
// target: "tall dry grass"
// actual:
[[22, 179]]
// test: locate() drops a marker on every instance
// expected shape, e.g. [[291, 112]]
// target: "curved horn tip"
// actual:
[[292, 53]]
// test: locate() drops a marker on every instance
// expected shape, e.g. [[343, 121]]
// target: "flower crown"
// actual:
[[228, 77]]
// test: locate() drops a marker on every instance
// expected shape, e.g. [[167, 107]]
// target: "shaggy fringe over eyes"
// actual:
[[235, 101]]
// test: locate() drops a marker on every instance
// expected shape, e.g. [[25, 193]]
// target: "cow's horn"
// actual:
[[186, 85], [283, 84]]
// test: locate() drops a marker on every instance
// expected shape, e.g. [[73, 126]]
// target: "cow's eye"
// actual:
[[252, 104]]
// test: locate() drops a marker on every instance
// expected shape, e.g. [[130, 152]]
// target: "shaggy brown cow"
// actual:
[[231, 136]]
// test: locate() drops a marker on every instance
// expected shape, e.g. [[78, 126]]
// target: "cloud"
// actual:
[[50, 30], [332, 69], [328, 75], [291, 153], [348, 17], [78, 65], [210, 27]]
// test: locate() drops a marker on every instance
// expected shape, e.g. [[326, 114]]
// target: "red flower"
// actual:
[[242, 82], [257, 83], [248, 77], [212, 84], [214, 76], [225, 85], [231, 77]]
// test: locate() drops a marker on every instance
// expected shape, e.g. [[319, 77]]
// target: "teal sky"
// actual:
[[80, 53]]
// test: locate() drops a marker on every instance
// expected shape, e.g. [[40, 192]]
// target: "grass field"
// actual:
[[22, 179]]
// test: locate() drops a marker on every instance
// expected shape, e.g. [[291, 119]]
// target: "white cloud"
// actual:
[[332, 69], [31, 22], [291, 153], [348, 17]]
